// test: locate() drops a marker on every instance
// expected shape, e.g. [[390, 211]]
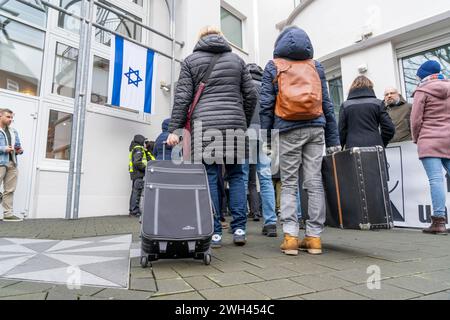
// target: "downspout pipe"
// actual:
[[76, 113], [83, 94]]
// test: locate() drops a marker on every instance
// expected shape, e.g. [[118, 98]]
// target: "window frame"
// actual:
[[414, 47], [31, 24], [70, 114], [44, 162], [243, 19], [91, 75], [44, 31], [54, 70]]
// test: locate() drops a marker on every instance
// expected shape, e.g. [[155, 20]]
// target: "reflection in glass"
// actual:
[[59, 135], [21, 54], [100, 78], [231, 27], [113, 22], [412, 63], [66, 22], [24, 12], [65, 70], [74, 6], [336, 94]]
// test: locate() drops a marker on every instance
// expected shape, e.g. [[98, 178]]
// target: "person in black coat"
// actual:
[[137, 165], [159, 151], [227, 104], [363, 120]]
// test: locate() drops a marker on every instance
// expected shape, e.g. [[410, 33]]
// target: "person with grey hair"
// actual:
[[10, 147], [400, 112]]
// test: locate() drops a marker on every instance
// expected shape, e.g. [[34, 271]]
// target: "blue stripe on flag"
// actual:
[[149, 81], [118, 69]]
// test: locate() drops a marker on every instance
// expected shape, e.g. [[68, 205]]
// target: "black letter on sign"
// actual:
[[425, 215]]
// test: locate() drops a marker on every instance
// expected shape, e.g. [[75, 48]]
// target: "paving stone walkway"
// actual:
[[98, 261], [407, 263]]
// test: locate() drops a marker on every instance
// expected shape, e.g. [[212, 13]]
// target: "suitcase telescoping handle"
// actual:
[[164, 150]]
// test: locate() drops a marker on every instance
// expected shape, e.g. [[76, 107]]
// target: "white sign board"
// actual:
[[408, 186]]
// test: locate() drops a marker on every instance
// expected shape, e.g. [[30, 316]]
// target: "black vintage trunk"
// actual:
[[360, 195], [177, 217]]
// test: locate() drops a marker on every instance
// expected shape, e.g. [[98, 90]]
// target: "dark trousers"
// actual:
[[135, 198], [223, 201], [254, 199]]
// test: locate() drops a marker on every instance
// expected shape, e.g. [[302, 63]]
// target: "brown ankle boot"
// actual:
[[437, 226], [289, 245], [312, 245]]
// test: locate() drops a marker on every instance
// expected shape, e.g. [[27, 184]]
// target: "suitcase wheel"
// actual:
[[144, 262], [207, 259]]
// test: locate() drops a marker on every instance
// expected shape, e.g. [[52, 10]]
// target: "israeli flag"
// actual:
[[131, 76]]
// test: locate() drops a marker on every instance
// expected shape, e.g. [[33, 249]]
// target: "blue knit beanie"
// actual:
[[428, 68]]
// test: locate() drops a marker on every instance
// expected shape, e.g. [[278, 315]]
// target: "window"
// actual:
[[24, 12], [113, 22], [66, 59], [336, 94], [59, 135], [21, 54], [66, 22], [100, 78], [231, 27], [104, 17], [412, 63]]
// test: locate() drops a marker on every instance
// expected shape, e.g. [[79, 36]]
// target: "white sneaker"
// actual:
[[216, 241], [239, 237], [12, 218]]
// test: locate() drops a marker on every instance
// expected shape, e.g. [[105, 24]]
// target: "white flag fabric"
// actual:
[[132, 75]]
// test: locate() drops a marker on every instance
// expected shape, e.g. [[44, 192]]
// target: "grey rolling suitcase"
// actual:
[[356, 189], [177, 217]]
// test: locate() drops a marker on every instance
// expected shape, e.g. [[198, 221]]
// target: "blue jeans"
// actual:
[[263, 168], [238, 200], [434, 168]]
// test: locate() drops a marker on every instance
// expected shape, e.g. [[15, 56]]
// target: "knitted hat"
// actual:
[[428, 68]]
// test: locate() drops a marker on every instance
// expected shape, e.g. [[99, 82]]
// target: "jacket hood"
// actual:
[[255, 71], [293, 43], [165, 125], [437, 88], [213, 43], [402, 101], [361, 93], [138, 140]]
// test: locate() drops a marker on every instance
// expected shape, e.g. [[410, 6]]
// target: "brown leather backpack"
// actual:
[[299, 90]]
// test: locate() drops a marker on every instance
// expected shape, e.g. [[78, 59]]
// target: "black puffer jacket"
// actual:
[[257, 73], [228, 100], [364, 121]]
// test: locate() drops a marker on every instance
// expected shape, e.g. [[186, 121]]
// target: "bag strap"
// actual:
[[210, 68], [199, 91]]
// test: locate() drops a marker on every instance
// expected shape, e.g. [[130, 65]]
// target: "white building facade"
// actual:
[[38, 65]]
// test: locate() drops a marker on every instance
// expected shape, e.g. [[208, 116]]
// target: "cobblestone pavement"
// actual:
[[412, 265]]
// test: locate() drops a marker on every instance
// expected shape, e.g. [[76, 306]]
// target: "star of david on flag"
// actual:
[[131, 77]]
